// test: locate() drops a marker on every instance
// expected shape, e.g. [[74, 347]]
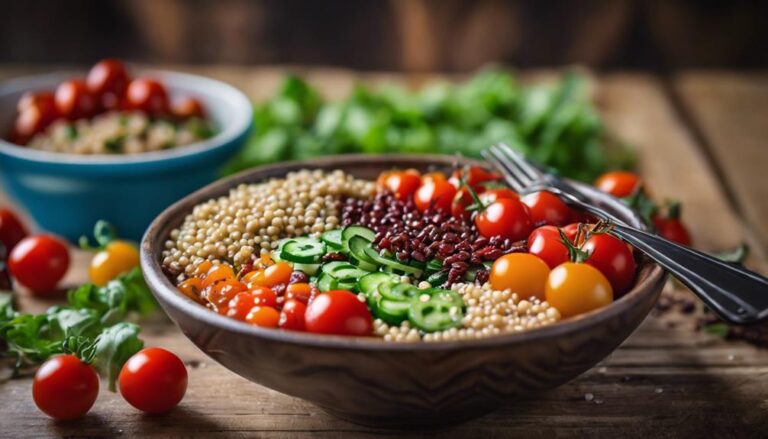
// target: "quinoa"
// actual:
[[489, 312], [252, 218], [115, 132]]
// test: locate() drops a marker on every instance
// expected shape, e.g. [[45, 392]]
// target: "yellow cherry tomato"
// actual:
[[116, 258], [575, 288], [523, 273]]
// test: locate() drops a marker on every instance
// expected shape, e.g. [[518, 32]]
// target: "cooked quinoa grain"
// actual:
[[254, 217], [489, 312]]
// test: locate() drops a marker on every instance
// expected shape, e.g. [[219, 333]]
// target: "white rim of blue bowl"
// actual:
[[235, 126]]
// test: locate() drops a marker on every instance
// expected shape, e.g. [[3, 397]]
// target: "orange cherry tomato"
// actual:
[[203, 269], [432, 177], [222, 292], [187, 108], [523, 273], [265, 316], [618, 183], [277, 274], [437, 195], [575, 288], [218, 273], [299, 291], [192, 288]]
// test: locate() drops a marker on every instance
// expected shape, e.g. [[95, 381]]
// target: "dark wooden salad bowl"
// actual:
[[373, 382]]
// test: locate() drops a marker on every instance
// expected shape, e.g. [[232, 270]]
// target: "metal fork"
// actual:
[[736, 294]]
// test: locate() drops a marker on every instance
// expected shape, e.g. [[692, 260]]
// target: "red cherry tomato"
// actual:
[[147, 95], [546, 243], [240, 305], [65, 388], [618, 183], [11, 230], [263, 296], [547, 208], [437, 194], [108, 81], [673, 229], [75, 101], [571, 230], [461, 201], [614, 259], [338, 312], [402, 184], [491, 195], [153, 380], [36, 112], [293, 316], [188, 107], [507, 218], [39, 263], [473, 177]]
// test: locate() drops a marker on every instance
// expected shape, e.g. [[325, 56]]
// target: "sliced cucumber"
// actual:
[[331, 267], [343, 271], [308, 269], [348, 285], [369, 283], [304, 250], [437, 278], [332, 239], [391, 263], [398, 291], [326, 282], [392, 312], [350, 231], [357, 246]]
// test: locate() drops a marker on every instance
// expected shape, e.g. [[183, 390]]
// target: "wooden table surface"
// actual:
[[701, 138]]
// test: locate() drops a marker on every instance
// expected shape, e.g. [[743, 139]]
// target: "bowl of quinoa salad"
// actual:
[[122, 166], [333, 281]]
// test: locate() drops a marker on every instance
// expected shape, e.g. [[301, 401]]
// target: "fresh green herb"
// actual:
[[720, 329], [90, 325], [71, 131], [555, 125], [114, 145]]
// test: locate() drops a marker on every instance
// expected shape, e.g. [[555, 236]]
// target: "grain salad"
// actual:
[[409, 258], [120, 133]]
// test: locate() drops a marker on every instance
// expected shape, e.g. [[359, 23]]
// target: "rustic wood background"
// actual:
[[411, 35], [701, 137]]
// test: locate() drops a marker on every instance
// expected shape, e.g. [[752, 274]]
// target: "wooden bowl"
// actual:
[[368, 381]]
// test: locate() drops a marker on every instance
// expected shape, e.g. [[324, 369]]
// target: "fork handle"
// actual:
[[737, 295]]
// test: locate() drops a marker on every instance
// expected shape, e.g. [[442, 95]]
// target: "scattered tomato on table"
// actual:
[[11, 229], [39, 263], [65, 387], [153, 380]]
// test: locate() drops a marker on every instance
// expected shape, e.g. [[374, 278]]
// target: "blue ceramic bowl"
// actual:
[[67, 193]]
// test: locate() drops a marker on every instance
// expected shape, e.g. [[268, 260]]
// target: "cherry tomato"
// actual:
[[217, 273], [403, 184], [118, 257], [264, 316], [264, 296], [11, 229], [192, 288], [240, 305], [547, 208], [432, 177], [108, 80], [36, 98], [473, 177], [614, 259], [507, 218], [523, 273], [293, 315], [203, 268], [153, 380], [461, 201], [575, 288], [438, 195], [618, 183], [279, 273], [39, 263], [571, 230], [672, 229], [187, 108], [75, 101], [299, 291], [36, 112], [147, 95], [65, 388], [339, 312], [491, 195], [220, 293], [546, 243]]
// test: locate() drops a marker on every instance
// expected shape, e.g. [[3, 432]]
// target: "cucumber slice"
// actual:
[[350, 231], [326, 282], [392, 312], [308, 269], [394, 265], [369, 283], [348, 285], [331, 267], [304, 250], [343, 271], [357, 246], [437, 278], [398, 291], [332, 239], [435, 313]]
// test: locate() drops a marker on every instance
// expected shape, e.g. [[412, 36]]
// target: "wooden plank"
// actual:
[[731, 111]]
